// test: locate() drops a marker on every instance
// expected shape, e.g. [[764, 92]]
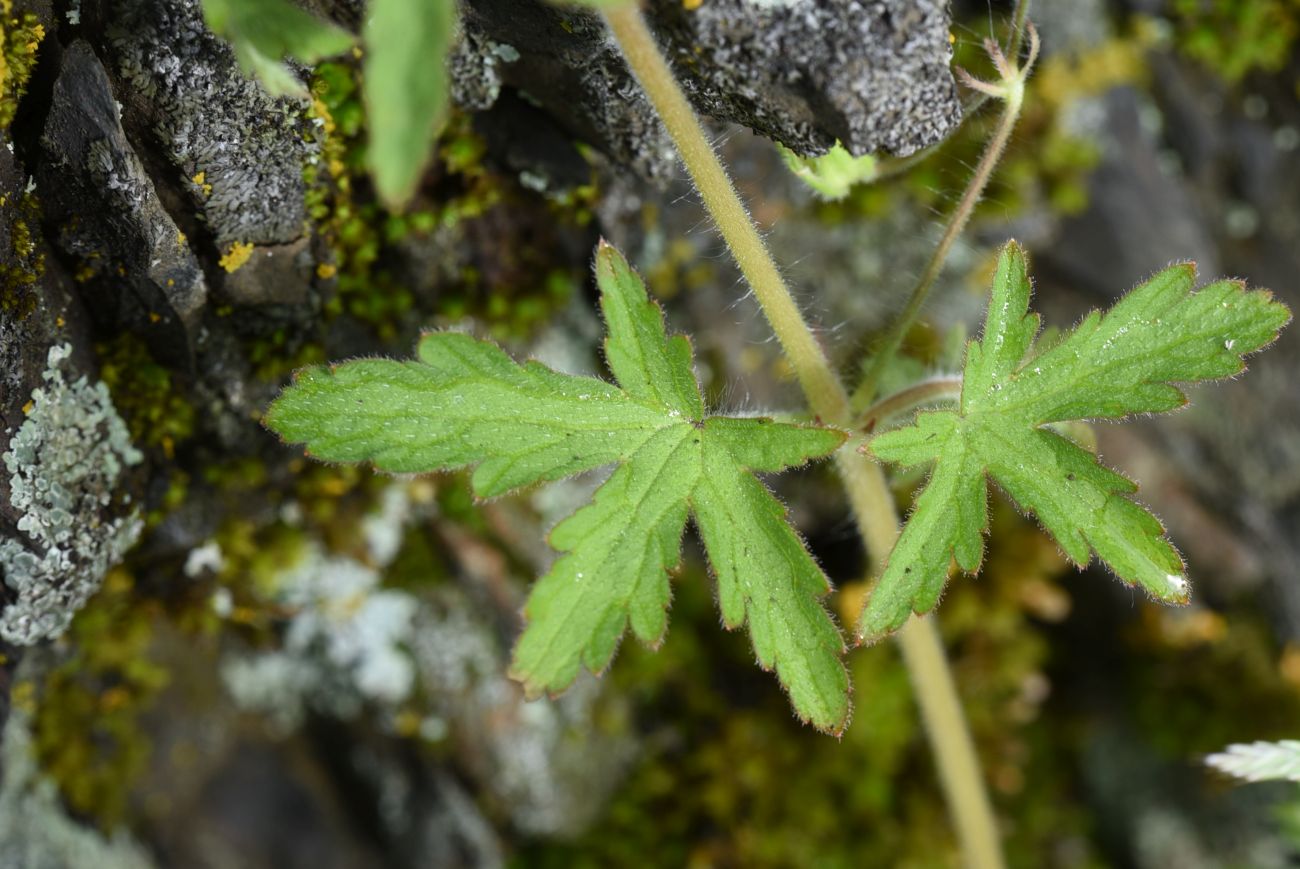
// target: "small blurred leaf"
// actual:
[[833, 174], [263, 33], [405, 88], [1260, 761]]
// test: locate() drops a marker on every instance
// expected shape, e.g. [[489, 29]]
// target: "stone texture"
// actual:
[[182, 87], [873, 75], [274, 275], [136, 268]]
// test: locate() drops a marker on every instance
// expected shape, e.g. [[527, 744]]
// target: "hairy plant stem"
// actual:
[[869, 495], [1019, 18], [1013, 101]]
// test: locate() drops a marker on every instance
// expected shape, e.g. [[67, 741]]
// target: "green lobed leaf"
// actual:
[[1111, 365], [263, 33], [405, 89], [464, 402]]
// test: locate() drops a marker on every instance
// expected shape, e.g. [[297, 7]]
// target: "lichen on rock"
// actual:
[[344, 646], [111, 218], [873, 75], [36, 832], [65, 464], [183, 85]]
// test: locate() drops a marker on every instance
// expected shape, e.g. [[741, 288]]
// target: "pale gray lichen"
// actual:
[[346, 642], [64, 464], [35, 830], [474, 70], [184, 84], [344, 646], [546, 761]]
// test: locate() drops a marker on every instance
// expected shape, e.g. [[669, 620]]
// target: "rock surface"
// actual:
[[235, 153], [873, 75], [133, 258], [407, 745]]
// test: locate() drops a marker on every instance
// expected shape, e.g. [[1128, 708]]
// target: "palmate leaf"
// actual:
[[1110, 366], [464, 402]]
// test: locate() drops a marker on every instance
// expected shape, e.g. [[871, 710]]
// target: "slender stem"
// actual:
[[866, 391], [963, 781], [917, 395], [825, 393], [864, 481], [1018, 19], [887, 167]]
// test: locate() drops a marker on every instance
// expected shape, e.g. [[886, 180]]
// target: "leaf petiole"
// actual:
[[918, 395]]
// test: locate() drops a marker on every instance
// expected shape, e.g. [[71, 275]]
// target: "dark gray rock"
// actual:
[[1141, 215], [563, 60], [136, 269], [36, 307], [180, 85], [274, 275], [873, 75], [64, 451]]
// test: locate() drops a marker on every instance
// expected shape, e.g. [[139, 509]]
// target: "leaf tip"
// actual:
[[869, 635], [532, 691], [867, 639], [1177, 591], [608, 256]]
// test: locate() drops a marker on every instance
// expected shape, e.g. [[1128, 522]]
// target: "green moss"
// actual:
[[23, 264], [1199, 678], [1237, 37], [279, 354], [326, 503], [366, 278], [252, 556], [418, 563], [86, 729], [355, 229], [155, 411], [20, 38]]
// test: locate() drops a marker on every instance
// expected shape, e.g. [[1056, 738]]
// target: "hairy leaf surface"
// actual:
[[1111, 365], [464, 402]]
